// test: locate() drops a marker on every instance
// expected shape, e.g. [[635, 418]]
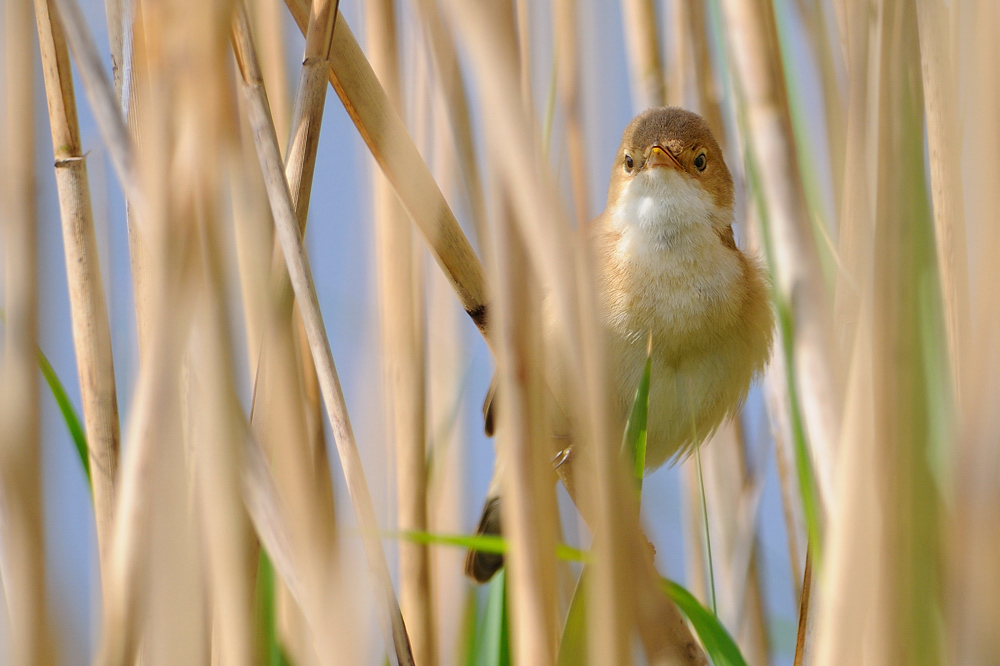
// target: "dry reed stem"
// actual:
[[733, 494], [901, 625], [779, 420], [643, 49], [756, 62], [218, 440], [449, 80], [156, 578], [972, 611], [126, 28], [903, 236], [279, 419], [391, 146], [307, 111], [566, 39], [940, 79], [679, 65], [103, 103], [195, 34], [709, 104], [305, 291], [267, 20], [23, 558], [849, 577], [305, 588], [857, 222], [829, 64], [805, 618], [400, 287], [116, 13], [529, 508], [447, 361], [91, 330], [132, 99], [133, 511], [300, 163]]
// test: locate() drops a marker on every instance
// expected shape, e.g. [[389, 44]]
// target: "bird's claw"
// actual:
[[562, 457]]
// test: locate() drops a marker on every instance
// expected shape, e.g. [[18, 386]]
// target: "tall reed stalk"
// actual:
[[91, 330], [24, 571], [401, 300]]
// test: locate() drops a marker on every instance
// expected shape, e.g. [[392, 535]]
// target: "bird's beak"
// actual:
[[659, 156]]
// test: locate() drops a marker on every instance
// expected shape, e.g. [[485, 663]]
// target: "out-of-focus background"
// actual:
[[747, 516]]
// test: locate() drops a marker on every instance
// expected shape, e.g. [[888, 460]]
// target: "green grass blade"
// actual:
[[494, 642], [719, 645], [485, 543], [470, 621], [68, 412], [493, 636], [634, 440], [573, 646]]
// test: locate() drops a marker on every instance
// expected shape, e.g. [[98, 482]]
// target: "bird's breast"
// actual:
[[681, 291]]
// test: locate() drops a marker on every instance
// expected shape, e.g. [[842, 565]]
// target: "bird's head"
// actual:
[[669, 173]]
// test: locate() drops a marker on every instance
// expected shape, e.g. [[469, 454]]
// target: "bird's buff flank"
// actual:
[[668, 265]]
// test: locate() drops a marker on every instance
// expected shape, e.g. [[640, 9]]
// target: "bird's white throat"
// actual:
[[658, 208]]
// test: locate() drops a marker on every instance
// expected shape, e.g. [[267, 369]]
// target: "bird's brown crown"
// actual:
[[688, 139]]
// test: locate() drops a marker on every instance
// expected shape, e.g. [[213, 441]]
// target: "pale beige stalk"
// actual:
[[391, 146], [115, 13], [972, 611], [643, 49], [529, 507], [522, 13], [268, 20], [857, 221], [907, 609], [850, 577], [278, 417], [444, 55], [218, 454], [850, 574], [23, 561], [102, 101], [305, 291], [679, 59], [709, 104], [568, 83], [940, 79], [447, 359], [300, 163], [732, 495], [195, 33], [133, 511], [156, 565], [830, 65], [779, 420], [91, 330], [126, 27], [400, 287], [756, 62]]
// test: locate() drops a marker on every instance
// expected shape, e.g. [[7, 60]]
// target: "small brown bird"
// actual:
[[669, 266]]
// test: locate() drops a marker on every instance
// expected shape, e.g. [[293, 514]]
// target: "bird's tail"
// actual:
[[481, 566]]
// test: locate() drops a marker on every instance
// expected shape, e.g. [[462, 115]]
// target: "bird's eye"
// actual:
[[629, 163], [700, 162]]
